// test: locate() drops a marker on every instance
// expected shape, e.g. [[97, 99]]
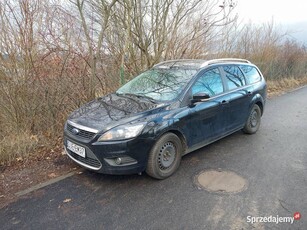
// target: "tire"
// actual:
[[253, 122], [164, 157]]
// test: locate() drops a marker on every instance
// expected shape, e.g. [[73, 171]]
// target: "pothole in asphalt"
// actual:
[[220, 181]]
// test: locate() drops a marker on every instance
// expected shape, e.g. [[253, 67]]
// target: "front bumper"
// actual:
[[100, 156]]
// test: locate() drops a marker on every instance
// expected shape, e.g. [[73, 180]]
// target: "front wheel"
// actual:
[[164, 157], [253, 121]]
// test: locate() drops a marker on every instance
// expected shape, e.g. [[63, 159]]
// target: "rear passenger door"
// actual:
[[240, 94]]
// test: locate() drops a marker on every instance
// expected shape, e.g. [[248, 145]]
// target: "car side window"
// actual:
[[234, 77], [209, 82], [251, 73]]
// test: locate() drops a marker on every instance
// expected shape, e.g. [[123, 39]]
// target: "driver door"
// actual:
[[205, 121]]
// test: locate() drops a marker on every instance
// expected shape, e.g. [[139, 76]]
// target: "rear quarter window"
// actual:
[[251, 73]]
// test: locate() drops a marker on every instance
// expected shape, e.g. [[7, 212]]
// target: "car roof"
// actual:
[[197, 63]]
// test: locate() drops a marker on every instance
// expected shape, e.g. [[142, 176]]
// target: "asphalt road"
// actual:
[[273, 162]]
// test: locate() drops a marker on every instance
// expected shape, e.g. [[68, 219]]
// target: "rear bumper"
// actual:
[[100, 156]]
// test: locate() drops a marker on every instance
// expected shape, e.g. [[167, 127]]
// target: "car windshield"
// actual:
[[158, 84]]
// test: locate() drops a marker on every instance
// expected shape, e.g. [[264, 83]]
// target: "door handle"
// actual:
[[224, 102]]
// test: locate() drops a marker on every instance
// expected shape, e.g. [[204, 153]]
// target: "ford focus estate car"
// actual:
[[164, 113]]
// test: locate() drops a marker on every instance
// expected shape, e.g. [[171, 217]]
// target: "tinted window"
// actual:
[[234, 77], [251, 73], [210, 82]]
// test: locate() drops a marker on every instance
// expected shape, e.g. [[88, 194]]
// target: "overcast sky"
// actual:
[[290, 14]]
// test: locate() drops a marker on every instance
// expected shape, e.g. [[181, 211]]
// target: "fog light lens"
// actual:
[[121, 161], [118, 160]]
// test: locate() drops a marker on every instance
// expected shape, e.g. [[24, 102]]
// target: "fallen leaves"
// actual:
[[19, 159], [31, 170], [66, 200], [52, 175], [34, 138], [63, 204]]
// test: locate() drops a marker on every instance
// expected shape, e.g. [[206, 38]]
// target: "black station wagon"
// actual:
[[164, 113]]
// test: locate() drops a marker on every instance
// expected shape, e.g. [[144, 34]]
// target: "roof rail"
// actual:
[[214, 61], [176, 60]]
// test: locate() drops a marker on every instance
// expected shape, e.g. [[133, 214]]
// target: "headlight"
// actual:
[[122, 132]]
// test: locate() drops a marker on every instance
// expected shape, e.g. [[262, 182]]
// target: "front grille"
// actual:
[[82, 133], [87, 160]]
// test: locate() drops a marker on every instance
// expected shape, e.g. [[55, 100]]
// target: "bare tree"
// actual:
[[155, 30], [100, 15], [56, 55]]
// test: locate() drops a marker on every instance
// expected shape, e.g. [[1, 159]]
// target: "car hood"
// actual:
[[112, 110]]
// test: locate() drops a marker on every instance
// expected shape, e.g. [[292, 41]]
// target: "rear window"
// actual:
[[251, 74]]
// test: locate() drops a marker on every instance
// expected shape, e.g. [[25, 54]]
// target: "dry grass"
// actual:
[[18, 146], [15, 147], [277, 87]]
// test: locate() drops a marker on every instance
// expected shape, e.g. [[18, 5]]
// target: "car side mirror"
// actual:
[[201, 96]]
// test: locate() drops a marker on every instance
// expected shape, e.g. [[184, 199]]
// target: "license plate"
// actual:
[[76, 148]]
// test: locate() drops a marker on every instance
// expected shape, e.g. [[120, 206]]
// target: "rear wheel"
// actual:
[[164, 157], [253, 121]]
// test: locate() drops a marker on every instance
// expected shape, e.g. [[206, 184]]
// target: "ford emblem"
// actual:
[[75, 131]]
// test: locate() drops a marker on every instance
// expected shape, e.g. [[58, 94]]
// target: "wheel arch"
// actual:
[[259, 103], [181, 137], [179, 134], [258, 100]]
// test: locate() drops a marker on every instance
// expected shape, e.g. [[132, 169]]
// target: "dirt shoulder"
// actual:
[[25, 173], [49, 164]]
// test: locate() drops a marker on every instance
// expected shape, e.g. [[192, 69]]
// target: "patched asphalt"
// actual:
[[273, 162]]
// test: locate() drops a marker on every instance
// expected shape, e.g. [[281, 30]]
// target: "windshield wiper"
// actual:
[[146, 97], [138, 96]]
